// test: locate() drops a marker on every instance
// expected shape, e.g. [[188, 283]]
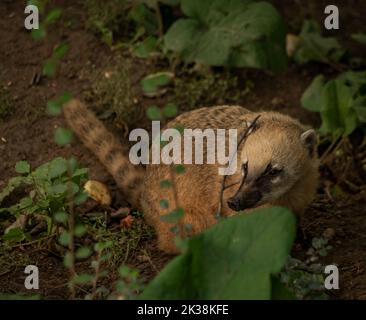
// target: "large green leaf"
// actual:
[[233, 32], [235, 259]]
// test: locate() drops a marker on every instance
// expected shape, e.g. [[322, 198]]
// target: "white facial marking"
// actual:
[[276, 180]]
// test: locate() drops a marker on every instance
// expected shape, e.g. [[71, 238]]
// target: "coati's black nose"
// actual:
[[234, 203], [244, 201]]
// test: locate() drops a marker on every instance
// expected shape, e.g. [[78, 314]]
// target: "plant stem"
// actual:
[[72, 232]]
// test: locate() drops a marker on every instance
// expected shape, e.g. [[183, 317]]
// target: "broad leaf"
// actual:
[[315, 47], [341, 102], [234, 32], [245, 250]]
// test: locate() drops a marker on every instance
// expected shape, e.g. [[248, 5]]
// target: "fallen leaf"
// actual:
[[99, 192]]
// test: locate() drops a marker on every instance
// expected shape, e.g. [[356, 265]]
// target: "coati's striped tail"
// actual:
[[107, 148]]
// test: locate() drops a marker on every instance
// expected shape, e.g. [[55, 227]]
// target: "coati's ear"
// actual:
[[309, 139]]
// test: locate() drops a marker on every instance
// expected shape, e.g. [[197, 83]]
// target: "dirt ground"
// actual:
[[27, 134]]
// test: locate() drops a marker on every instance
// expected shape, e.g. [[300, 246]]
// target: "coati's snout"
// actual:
[[244, 200]]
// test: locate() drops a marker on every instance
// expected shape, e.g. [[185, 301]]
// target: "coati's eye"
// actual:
[[274, 172]]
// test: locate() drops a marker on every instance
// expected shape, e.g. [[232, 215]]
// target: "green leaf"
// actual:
[[39, 34], [25, 202], [81, 172], [83, 253], [124, 271], [145, 48], [245, 250], [337, 113], [60, 217], [60, 51], [153, 113], [50, 67], [173, 216], [83, 278], [54, 107], [100, 246], [14, 235], [80, 230], [153, 82], [144, 17], [81, 198], [58, 189], [53, 16], [65, 238], [312, 98], [315, 47], [22, 167], [63, 136], [340, 101], [234, 33], [68, 259], [170, 110], [57, 167]]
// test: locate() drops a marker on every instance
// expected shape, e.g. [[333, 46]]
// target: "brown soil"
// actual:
[[28, 133]]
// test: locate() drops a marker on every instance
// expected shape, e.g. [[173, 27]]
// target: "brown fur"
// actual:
[[277, 138]]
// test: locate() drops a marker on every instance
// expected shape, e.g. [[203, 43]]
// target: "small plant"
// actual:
[[304, 280], [341, 102], [314, 47], [47, 191], [116, 20], [50, 67], [50, 18], [240, 34]]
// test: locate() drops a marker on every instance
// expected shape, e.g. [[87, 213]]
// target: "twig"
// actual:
[[334, 145], [150, 261], [96, 276], [33, 242], [72, 235], [245, 134]]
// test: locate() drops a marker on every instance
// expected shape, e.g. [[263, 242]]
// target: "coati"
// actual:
[[279, 159]]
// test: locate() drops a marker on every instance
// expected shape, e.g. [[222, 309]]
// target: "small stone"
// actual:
[[313, 258]]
